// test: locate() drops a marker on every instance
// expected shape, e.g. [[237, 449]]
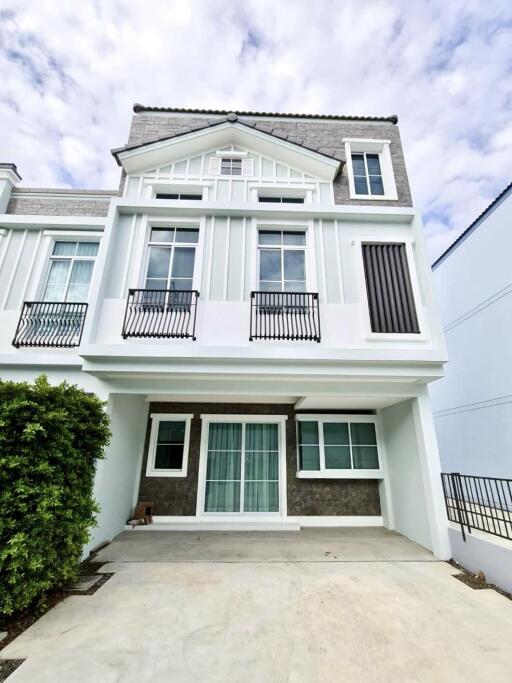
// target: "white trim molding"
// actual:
[[156, 418], [382, 148]]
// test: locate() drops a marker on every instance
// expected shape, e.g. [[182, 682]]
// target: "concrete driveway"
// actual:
[[350, 605]]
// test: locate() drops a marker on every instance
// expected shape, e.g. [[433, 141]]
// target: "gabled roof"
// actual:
[[140, 108], [486, 212], [232, 117], [221, 130]]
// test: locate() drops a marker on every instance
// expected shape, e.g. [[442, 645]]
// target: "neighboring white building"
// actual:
[[256, 307]]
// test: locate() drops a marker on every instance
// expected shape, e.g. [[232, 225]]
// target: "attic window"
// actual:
[[178, 195], [281, 200], [231, 166]]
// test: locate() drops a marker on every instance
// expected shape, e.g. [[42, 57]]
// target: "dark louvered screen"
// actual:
[[388, 284]]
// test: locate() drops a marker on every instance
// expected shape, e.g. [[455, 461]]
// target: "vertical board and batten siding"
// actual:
[[388, 283], [19, 252]]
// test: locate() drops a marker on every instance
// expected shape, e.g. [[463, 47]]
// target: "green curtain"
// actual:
[[261, 487], [223, 470]]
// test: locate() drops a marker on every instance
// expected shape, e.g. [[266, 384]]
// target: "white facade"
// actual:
[[381, 377]]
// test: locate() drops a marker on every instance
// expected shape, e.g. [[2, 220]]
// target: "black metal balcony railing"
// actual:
[[50, 324], [161, 313], [481, 503], [291, 316]]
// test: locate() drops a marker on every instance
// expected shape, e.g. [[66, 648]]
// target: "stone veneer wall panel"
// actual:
[[177, 496]]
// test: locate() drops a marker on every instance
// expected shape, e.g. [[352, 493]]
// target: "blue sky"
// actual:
[[72, 71]]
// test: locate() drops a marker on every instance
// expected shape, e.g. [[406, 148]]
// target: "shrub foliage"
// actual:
[[50, 440]]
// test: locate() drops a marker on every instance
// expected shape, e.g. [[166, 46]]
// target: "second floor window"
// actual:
[[231, 166], [282, 261], [172, 253], [179, 195], [367, 174], [69, 276]]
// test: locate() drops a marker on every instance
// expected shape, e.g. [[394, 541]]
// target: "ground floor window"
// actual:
[[334, 445], [242, 467], [168, 445]]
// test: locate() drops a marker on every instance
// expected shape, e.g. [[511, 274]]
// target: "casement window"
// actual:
[[168, 445], [389, 289], [370, 169], [231, 166], [172, 252], [280, 200], [70, 271], [282, 260], [333, 445], [367, 174], [178, 195]]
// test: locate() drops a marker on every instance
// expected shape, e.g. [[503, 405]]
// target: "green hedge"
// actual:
[[50, 440]]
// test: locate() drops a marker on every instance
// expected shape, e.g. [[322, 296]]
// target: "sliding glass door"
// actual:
[[242, 468]]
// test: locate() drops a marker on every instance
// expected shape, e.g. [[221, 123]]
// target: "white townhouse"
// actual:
[[256, 307]]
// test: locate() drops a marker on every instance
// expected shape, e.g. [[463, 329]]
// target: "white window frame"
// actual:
[[382, 148], [206, 420], [156, 418], [53, 237], [152, 187], [324, 473], [307, 247], [167, 225]]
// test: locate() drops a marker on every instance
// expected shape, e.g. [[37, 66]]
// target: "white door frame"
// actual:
[[201, 515]]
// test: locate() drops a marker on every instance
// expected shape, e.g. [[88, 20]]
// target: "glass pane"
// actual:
[[169, 457], [309, 457], [365, 457], [87, 249], [77, 293], [294, 265], [337, 458], [376, 185], [261, 437], [261, 496], [358, 164], [183, 262], [294, 286], [162, 235], [270, 287], [181, 283], [64, 248], [171, 432], [222, 496], [270, 265], [308, 432], [271, 237], [363, 433], [294, 238], [224, 436], [188, 236], [361, 185], [54, 293], [373, 163], [153, 283], [58, 274], [261, 466], [81, 272], [223, 465], [336, 433], [158, 266]]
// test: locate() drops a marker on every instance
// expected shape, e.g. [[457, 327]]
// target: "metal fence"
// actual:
[[161, 313], [50, 324], [292, 316], [482, 503]]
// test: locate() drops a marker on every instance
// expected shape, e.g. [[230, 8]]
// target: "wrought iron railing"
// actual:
[[481, 503], [292, 316], [161, 313], [50, 324]]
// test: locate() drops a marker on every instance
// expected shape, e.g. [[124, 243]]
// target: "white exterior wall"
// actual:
[[473, 403]]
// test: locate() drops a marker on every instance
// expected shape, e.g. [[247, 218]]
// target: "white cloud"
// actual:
[[72, 71]]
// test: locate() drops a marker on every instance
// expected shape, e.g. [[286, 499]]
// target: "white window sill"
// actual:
[[374, 197], [166, 473], [340, 474]]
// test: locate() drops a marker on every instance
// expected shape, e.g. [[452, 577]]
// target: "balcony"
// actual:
[[161, 313], [289, 316], [50, 324]]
